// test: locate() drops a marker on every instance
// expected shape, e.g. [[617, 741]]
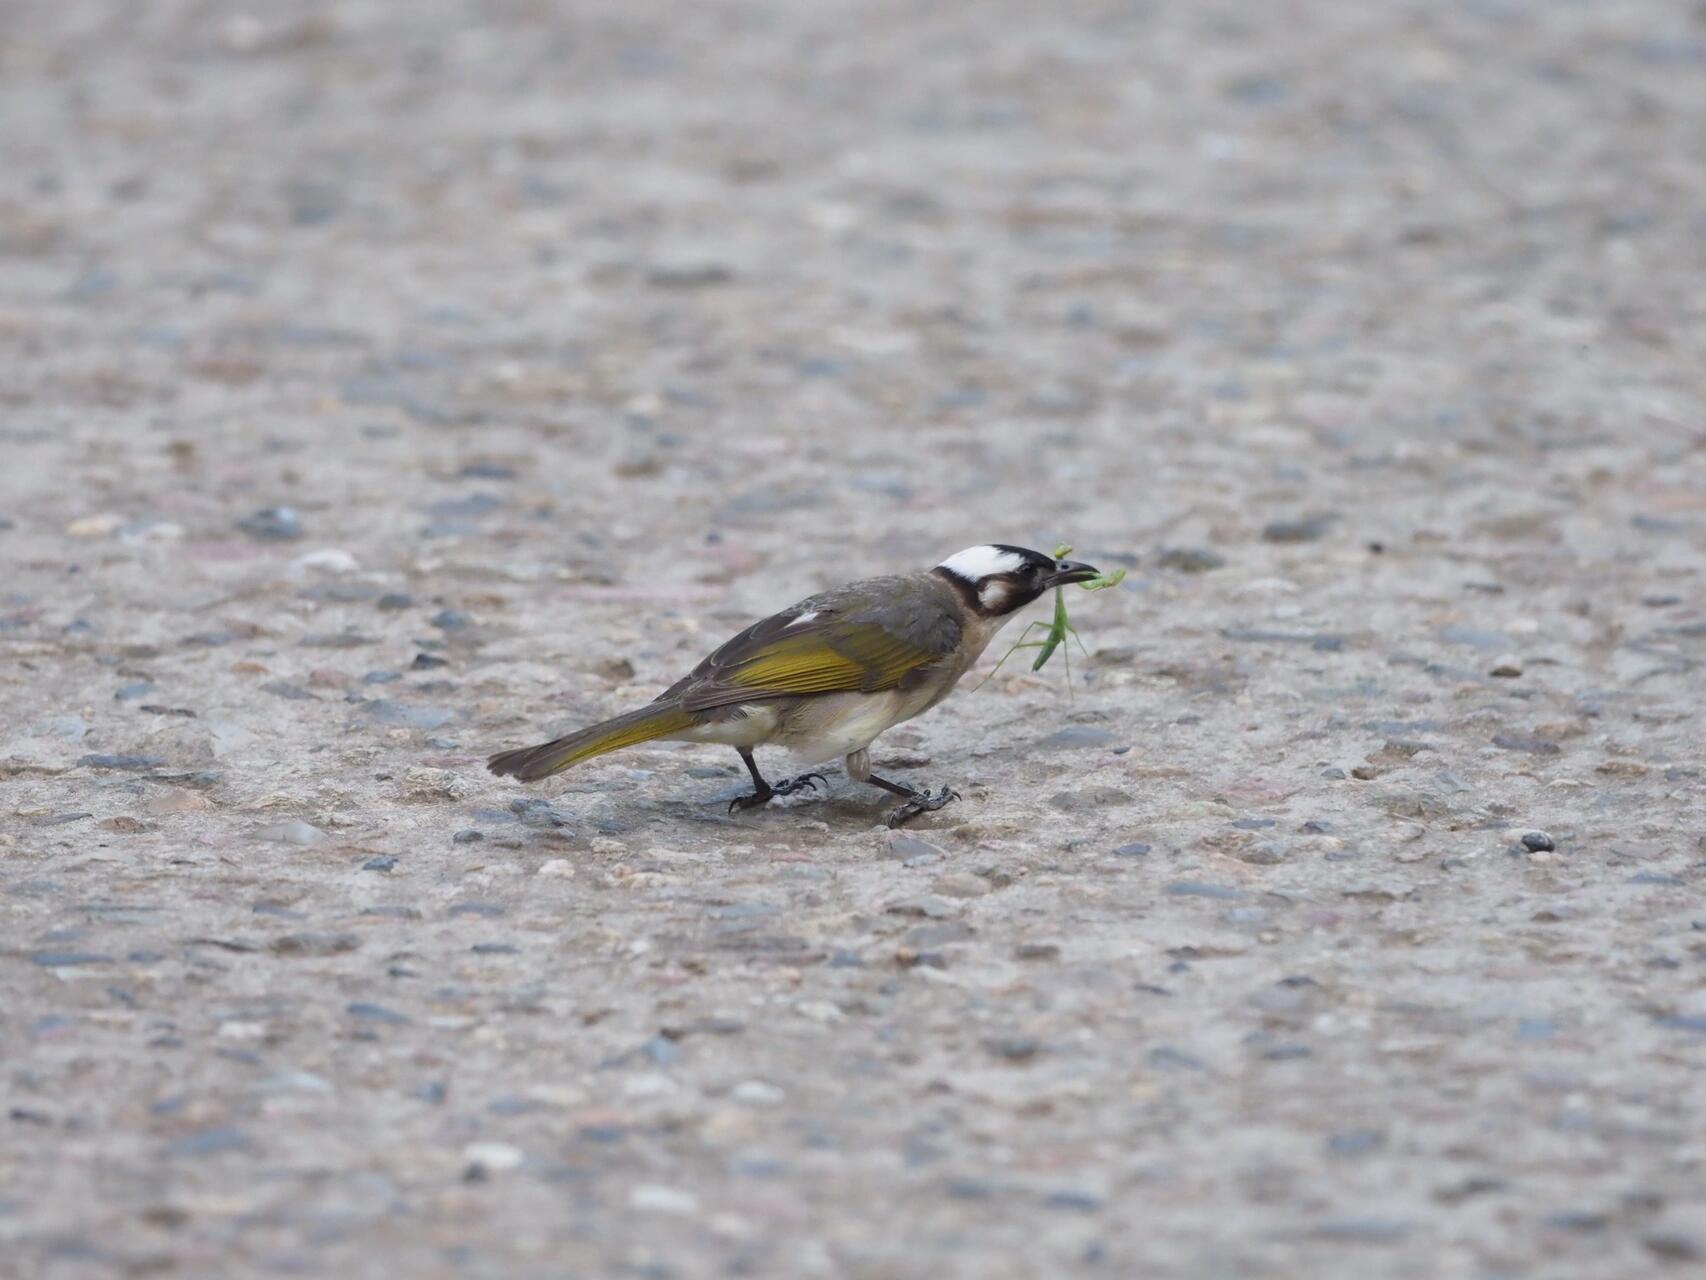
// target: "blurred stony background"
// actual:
[[385, 384]]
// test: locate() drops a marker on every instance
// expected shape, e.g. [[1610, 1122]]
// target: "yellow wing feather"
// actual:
[[845, 658], [864, 658]]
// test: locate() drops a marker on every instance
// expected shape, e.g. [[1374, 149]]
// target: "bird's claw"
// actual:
[[922, 802], [786, 787], [751, 800]]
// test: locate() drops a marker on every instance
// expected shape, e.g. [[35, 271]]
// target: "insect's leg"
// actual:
[[1021, 643]]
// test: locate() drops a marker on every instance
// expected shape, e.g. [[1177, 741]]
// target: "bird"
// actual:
[[825, 677]]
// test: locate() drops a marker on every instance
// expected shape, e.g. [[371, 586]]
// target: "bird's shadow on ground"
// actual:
[[844, 807]]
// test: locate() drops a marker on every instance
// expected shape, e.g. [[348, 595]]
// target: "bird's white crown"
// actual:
[[976, 563]]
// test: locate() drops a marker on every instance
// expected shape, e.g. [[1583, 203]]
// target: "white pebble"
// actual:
[[96, 526], [648, 1084], [663, 1199], [293, 832], [327, 560], [493, 1157], [758, 1093], [154, 532]]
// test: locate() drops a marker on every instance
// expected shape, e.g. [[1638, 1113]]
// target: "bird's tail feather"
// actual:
[[532, 763]]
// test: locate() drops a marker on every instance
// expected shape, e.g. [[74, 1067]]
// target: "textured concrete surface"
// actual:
[[384, 384]]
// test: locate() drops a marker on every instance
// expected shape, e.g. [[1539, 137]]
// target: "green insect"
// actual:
[[1057, 628]]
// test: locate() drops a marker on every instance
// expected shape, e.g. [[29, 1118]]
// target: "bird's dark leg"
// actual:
[[917, 802], [762, 791]]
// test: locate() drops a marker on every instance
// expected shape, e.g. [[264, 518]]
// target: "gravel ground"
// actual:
[[383, 385]]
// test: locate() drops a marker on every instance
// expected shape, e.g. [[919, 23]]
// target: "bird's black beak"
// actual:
[[1071, 571]]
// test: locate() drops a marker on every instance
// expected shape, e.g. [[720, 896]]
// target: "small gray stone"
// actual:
[[67, 959], [1136, 849], [294, 831], [1683, 1022], [208, 1142], [1580, 1221], [1304, 529], [386, 711], [1526, 742], [1166, 1058], [335, 640], [1354, 1142], [912, 851], [1074, 1199], [487, 910], [1197, 889], [1190, 559], [288, 691], [694, 275], [1245, 915], [1673, 1246], [1321, 641], [273, 524], [70, 728], [1078, 737], [930, 908], [314, 944], [1492, 641], [62, 819], [1537, 842], [1265, 854], [371, 1012], [120, 762], [1361, 1230], [1089, 798], [474, 505]]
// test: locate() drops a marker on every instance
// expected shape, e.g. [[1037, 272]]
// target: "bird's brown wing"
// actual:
[[840, 649]]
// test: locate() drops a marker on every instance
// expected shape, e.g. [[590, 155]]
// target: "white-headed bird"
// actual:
[[823, 678]]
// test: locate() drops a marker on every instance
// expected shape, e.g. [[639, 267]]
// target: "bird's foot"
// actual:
[[752, 800], [786, 787], [922, 802]]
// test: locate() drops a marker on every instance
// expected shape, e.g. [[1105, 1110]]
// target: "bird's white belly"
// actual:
[[837, 724], [754, 727], [816, 729]]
